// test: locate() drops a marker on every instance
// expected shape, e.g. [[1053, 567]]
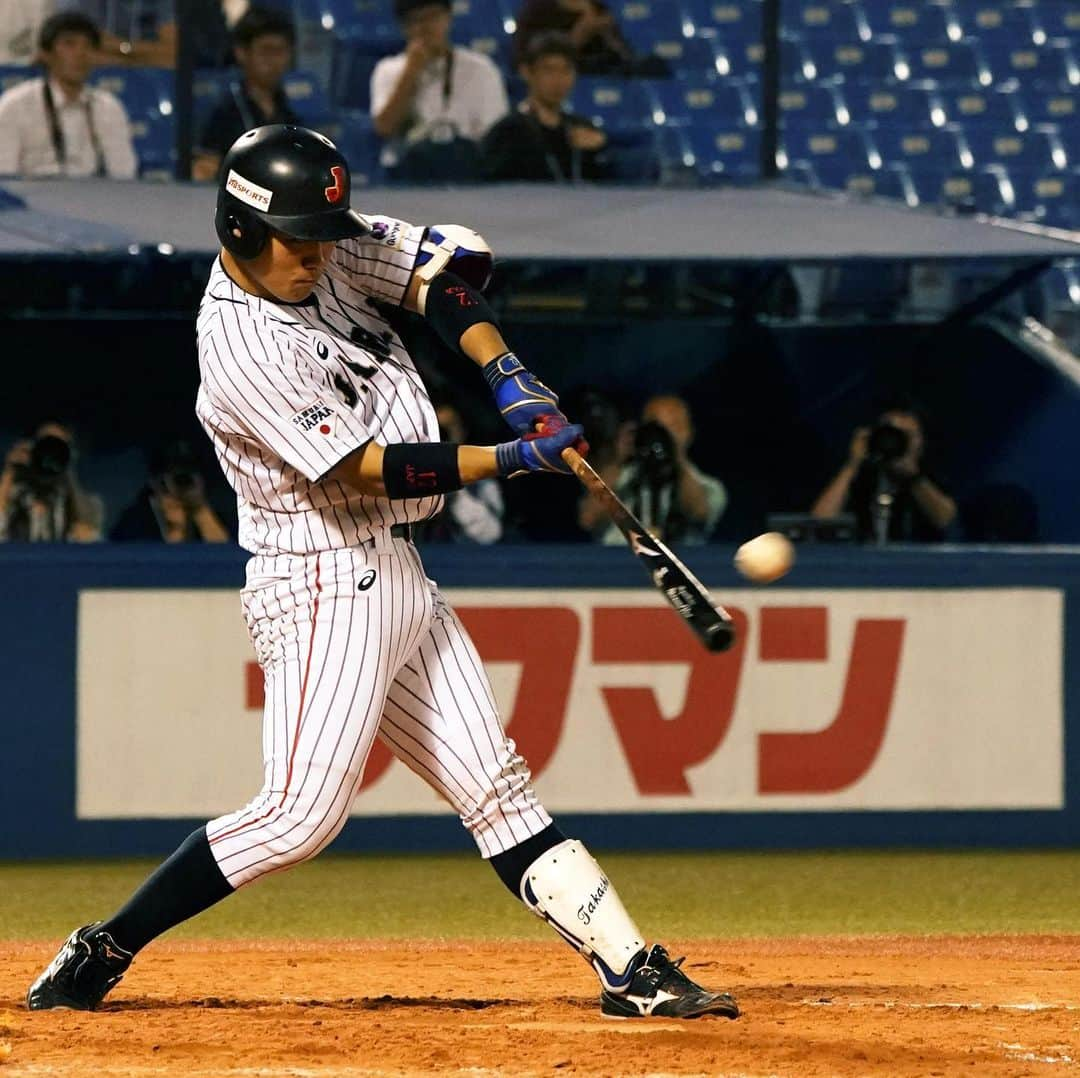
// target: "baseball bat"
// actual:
[[689, 598]]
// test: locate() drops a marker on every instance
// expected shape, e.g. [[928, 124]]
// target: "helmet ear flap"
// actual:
[[240, 231]]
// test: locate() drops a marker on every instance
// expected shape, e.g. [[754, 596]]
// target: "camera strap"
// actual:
[[56, 132]]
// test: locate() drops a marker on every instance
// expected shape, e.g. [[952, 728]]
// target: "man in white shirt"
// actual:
[[434, 101], [57, 125]]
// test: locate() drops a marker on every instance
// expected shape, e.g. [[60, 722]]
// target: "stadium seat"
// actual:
[[858, 61], [957, 63], [835, 153], [13, 74], [145, 91], [1052, 106], [360, 146], [611, 103], [1048, 65], [306, 96], [154, 139], [207, 86], [996, 108], [686, 101], [985, 190], [1015, 23], [825, 19], [731, 20], [1050, 198], [914, 22], [1039, 148], [938, 148], [892, 181], [913, 106], [806, 103], [372, 20], [481, 30], [724, 151], [1061, 20], [355, 58], [730, 56], [649, 23]]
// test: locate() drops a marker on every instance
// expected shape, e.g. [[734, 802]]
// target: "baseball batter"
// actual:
[[325, 431]]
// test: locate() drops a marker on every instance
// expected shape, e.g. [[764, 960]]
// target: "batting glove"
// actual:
[[520, 396], [538, 452]]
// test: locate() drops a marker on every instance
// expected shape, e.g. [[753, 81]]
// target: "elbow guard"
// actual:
[[453, 306], [457, 249]]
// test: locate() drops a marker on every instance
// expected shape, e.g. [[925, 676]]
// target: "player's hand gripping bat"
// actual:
[[709, 621]]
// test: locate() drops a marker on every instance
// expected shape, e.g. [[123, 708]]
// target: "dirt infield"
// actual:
[[896, 1006]]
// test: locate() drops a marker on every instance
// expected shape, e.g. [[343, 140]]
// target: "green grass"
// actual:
[[670, 895]]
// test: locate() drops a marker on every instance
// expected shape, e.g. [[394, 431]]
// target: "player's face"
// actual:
[[550, 80], [71, 59], [265, 61], [290, 269]]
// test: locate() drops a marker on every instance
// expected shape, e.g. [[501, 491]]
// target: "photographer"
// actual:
[[40, 497], [671, 496], [172, 507], [884, 485]]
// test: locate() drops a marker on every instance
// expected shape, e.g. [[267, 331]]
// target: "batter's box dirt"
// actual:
[[889, 1006]]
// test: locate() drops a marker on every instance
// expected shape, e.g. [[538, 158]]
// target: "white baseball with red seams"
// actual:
[[354, 640]]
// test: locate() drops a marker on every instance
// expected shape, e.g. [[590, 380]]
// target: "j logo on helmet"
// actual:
[[334, 192]]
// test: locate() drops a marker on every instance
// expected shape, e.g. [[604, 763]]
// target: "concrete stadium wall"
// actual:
[[904, 697]]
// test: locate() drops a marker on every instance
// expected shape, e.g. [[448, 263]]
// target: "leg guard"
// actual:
[[568, 889]]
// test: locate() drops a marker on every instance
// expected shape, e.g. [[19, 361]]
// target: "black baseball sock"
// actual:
[[184, 885], [512, 864]]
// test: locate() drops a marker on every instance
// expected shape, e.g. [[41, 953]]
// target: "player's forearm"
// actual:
[[434, 468], [832, 498], [482, 343]]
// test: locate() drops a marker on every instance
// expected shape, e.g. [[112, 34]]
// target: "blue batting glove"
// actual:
[[520, 396], [537, 452]]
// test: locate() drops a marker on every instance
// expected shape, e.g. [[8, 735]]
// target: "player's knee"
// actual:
[[300, 838]]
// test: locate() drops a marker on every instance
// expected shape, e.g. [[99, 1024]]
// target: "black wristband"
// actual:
[[453, 306], [420, 469]]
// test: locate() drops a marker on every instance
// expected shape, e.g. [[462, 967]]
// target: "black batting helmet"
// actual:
[[288, 179]]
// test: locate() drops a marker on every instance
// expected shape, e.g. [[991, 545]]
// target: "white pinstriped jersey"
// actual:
[[289, 390]]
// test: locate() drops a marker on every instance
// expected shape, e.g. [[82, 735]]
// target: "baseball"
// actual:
[[766, 558]]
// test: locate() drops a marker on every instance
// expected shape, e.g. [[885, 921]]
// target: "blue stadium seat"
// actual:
[[154, 139], [914, 22], [1039, 148], [797, 61], [370, 19], [611, 103], [835, 153], [1050, 198], [984, 190], [831, 20], [891, 181], [724, 151], [858, 61], [207, 86], [686, 101], [647, 23], [911, 105], [939, 148], [13, 74], [998, 108], [355, 58], [306, 96], [1061, 20], [145, 91], [481, 29], [360, 146], [958, 63], [809, 103], [1052, 64], [1052, 106], [731, 20], [740, 57], [996, 21]]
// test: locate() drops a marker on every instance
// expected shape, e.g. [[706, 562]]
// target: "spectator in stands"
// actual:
[[263, 43], [41, 499], [671, 496], [540, 142], [433, 102], [884, 484], [20, 24], [172, 507], [57, 125], [475, 513], [589, 25]]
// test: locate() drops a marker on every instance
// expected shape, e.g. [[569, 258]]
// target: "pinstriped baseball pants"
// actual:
[[354, 644]]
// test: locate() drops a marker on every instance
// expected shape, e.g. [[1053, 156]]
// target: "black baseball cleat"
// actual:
[[660, 989], [77, 979]]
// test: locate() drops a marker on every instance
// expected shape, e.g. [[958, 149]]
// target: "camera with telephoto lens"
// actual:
[[887, 443], [176, 471], [654, 454], [48, 462]]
